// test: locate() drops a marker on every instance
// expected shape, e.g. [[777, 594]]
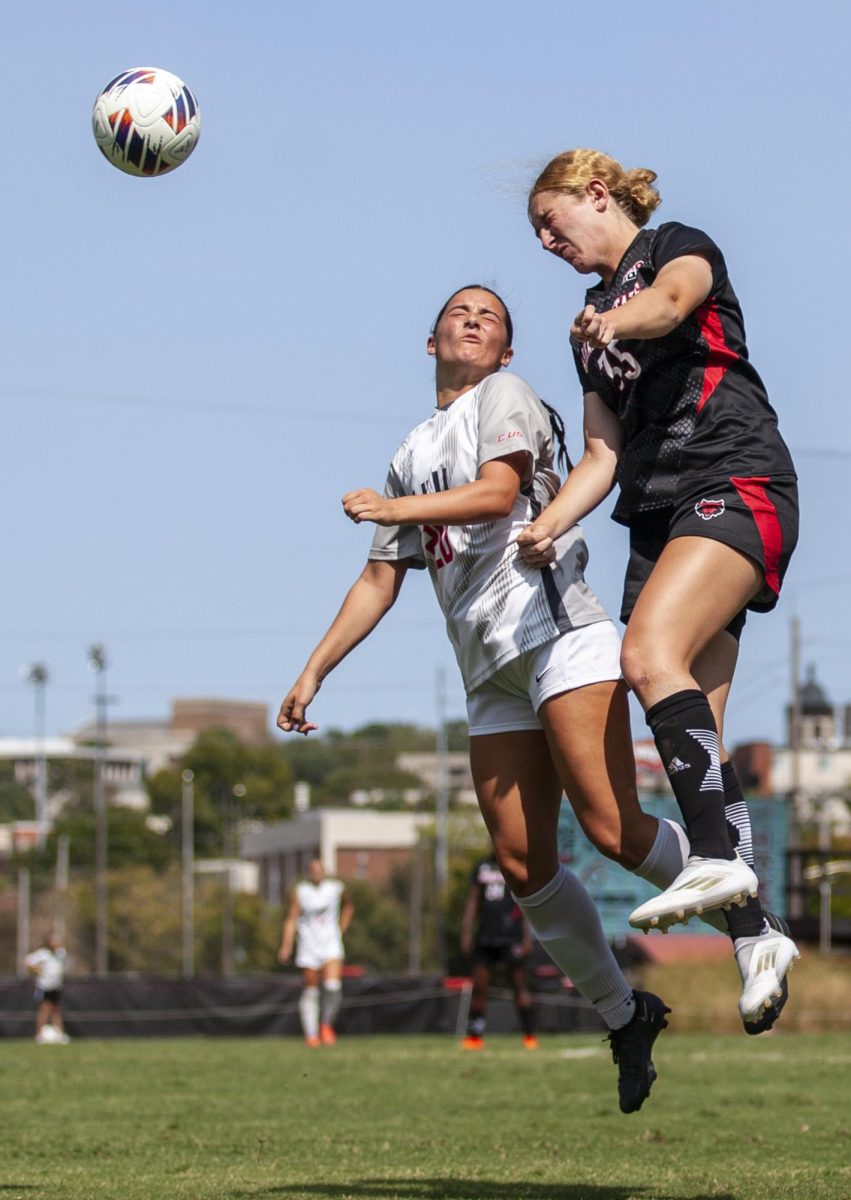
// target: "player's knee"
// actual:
[[620, 845], [514, 867], [642, 665]]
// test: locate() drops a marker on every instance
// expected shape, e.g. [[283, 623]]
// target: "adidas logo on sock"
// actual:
[[677, 764]]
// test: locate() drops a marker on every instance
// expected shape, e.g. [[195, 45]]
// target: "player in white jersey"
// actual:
[[47, 967], [546, 707], [319, 913]]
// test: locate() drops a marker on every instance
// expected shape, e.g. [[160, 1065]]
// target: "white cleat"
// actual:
[[763, 964], [702, 885]]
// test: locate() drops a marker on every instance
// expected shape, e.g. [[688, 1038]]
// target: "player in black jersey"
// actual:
[[493, 931], [676, 415]]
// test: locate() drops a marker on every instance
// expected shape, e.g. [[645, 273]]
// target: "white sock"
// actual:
[[308, 1010], [332, 998], [566, 923], [668, 855]]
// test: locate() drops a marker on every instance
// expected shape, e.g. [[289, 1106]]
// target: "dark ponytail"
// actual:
[[557, 424]]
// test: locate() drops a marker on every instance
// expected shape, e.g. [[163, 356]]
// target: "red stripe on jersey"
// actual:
[[764, 513], [719, 355]]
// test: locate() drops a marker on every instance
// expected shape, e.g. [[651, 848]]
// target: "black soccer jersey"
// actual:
[[693, 409], [500, 921]]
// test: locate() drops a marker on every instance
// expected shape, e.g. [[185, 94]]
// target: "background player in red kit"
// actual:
[[678, 417], [494, 933]]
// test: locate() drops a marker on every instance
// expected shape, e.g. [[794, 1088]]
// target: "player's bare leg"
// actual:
[[695, 590], [519, 794], [474, 1039], [523, 1003], [764, 951], [332, 996], [308, 1007]]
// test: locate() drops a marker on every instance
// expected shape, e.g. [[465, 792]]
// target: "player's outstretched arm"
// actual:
[[347, 911], [468, 921], [678, 289], [370, 597], [285, 952], [487, 498], [587, 485]]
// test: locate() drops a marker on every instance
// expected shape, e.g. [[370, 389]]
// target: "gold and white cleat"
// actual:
[[702, 885], [764, 962]]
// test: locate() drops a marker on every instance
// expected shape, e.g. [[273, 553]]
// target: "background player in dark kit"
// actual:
[[494, 933], [676, 414]]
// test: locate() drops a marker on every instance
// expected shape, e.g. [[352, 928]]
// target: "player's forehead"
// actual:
[[475, 300]]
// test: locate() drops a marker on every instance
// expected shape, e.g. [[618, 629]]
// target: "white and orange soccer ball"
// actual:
[[146, 121]]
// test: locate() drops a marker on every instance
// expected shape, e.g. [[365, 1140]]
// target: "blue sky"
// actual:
[[197, 367]]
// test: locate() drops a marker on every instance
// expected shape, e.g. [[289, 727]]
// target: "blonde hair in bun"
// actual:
[[573, 170]]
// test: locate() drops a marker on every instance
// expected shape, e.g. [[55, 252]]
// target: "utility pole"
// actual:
[[98, 663], [63, 847], [796, 880], [415, 938], [188, 872], [236, 792], [441, 850], [37, 675], [23, 939]]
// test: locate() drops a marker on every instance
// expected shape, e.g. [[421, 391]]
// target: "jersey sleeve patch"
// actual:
[[511, 419]]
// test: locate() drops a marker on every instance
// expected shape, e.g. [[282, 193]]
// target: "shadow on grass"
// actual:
[[462, 1189]]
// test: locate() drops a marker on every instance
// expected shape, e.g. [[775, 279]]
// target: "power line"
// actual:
[[172, 404]]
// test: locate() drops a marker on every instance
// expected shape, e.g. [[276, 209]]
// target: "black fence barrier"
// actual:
[[136, 1006]]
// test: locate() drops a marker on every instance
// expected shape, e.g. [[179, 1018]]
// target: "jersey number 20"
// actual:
[[438, 545]]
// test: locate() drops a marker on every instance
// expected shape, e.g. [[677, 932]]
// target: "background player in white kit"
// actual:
[[319, 914], [47, 966]]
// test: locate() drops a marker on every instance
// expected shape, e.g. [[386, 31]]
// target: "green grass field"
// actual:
[[415, 1118]]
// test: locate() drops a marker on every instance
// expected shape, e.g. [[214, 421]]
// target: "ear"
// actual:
[[431, 348], [598, 193], [506, 357]]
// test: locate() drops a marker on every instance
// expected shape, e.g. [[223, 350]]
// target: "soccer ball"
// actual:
[[146, 121]]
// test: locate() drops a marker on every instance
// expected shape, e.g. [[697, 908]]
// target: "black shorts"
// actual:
[[758, 517], [53, 995], [510, 953]]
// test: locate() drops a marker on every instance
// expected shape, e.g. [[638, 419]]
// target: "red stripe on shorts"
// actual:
[[764, 514], [720, 355]]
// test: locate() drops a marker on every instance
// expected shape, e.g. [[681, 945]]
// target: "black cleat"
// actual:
[[631, 1049], [777, 1003]]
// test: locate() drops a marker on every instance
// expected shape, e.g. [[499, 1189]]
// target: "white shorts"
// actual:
[[510, 699], [315, 952]]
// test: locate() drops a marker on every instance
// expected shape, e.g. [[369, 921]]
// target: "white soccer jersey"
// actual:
[[319, 937], [50, 968], [496, 607]]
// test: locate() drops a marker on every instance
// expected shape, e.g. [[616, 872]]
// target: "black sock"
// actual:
[[687, 740], [749, 920], [527, 1020], [736, 812]]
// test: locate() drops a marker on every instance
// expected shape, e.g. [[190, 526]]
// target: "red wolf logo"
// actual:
[[707, 509]]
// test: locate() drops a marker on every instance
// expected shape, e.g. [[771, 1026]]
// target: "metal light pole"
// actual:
[[237, 791], [37, 675], [63, 849], [98, 663], [187, 862], [23, 938], [441, 850], [796, 894]]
